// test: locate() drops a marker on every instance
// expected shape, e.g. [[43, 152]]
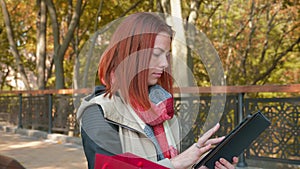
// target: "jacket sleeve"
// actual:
[[98, 136]]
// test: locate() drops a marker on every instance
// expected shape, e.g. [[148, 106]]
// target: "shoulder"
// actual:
[[94, 116], [88, 102], [98, 90]]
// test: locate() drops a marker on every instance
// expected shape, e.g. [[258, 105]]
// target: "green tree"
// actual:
[[13, 45], [61, 45], [258, 41], [254, 39]]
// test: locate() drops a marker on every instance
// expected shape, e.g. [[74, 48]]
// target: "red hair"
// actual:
[[124, 64]]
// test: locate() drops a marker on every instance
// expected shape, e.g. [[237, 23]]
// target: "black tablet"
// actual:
[[236, 141]]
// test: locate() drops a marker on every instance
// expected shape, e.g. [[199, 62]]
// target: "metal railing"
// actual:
[[54, 111]]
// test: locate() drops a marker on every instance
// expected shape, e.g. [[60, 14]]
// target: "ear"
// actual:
[[112, 77]]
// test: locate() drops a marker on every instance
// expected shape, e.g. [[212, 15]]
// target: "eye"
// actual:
[[157, 53]]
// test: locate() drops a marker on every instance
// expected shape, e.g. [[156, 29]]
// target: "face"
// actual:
[[158, 61]]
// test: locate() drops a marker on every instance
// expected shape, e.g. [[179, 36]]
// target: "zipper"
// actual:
[[124, 126]]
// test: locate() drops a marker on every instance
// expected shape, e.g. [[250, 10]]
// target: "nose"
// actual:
[[164, 61]]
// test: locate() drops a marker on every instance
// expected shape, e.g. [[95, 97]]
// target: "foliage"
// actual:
[[257, 40]]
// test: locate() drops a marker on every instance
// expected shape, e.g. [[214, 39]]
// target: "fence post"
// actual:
[[50, 113], [242, 162], [20, 124]]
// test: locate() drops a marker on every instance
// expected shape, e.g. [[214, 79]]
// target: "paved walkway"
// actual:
[[39, 150], [34, 153]]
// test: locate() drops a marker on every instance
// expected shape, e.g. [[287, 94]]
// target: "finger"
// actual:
[[208, 134], [214, 140], [235, 160], [218, 165], [226, 163], [202, 149]]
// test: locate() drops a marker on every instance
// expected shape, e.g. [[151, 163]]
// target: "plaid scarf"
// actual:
[[161, 110]]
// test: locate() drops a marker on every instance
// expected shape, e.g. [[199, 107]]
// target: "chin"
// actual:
[[153, 82]]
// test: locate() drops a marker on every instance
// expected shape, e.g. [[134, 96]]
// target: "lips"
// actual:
[[157, 74]]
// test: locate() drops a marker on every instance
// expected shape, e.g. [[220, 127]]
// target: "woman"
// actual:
[[134, 111]]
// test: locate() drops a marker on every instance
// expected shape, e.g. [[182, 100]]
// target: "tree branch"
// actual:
[[270, 26], [132, 7], [55, 27], [212, 14], [276, 61], [253, 28], [98, 15], [73, 24]]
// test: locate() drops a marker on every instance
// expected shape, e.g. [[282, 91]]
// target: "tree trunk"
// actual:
[[191, 33], [61, 48], [41, 44], [181, 72], [179, 49], [59, 78], [13, 46], [165, 6]]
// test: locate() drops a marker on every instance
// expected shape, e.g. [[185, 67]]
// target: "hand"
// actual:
[[190, 156], [222, 163], [204, 140]]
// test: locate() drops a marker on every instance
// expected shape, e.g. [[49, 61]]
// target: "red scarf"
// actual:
[[155, 117]]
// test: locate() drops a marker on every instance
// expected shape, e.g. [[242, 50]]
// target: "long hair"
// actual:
[[124, 64]]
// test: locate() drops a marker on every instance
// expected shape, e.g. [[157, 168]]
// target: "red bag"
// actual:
[[124, 161]]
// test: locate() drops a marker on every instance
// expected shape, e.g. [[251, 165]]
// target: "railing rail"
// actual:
[[290, 88]]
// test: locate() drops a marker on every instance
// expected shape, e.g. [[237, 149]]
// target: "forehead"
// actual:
[[163, 41]]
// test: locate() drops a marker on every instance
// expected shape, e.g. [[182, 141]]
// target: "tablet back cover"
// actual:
[[237, 140]]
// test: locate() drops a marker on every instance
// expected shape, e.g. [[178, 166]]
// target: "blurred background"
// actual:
[[46, 47]]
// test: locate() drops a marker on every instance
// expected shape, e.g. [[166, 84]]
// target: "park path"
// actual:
[[39, 150], [34, 153]]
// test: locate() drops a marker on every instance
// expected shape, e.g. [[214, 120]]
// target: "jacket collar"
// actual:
[[117, 111]]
